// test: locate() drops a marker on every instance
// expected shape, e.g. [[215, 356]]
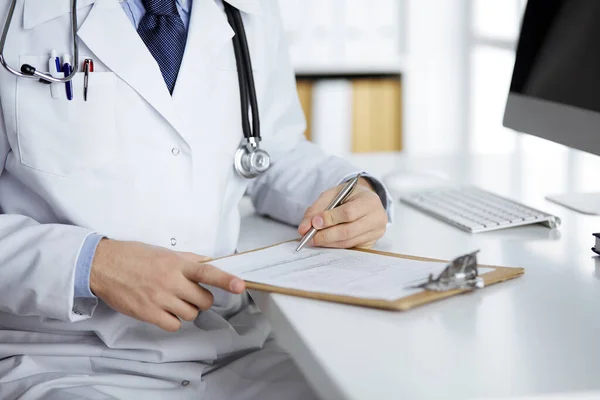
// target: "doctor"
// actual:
[[109, 206]]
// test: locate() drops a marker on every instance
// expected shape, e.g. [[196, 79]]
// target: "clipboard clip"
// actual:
[[461, 273]]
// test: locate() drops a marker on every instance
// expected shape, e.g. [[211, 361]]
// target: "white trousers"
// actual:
[[267, 374]]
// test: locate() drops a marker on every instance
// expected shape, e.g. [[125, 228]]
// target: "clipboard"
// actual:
[[497, 275]]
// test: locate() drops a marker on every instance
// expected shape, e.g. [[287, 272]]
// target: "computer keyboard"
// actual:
[[475, 210]]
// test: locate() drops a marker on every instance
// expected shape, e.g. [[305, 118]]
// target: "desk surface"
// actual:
[[538, 334]]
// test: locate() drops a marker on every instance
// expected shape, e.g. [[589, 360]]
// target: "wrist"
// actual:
[[366, 183], [100, 258]]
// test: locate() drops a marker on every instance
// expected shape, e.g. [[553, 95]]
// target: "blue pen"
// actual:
[[67, 70]]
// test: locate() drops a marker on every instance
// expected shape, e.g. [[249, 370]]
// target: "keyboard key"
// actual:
[[467, 222]]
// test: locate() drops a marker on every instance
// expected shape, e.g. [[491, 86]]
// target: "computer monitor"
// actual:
[[555, 88]]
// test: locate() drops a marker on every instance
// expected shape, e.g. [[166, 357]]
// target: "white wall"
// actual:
[[344, 36]]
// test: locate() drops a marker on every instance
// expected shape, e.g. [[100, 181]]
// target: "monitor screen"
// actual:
[[555, 88], [559, 53]]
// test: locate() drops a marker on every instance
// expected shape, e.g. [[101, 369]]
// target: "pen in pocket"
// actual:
[[67, 70], [88, 66], [55, 69]]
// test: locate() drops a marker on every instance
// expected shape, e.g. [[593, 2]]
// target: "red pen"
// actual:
[[88, 66]]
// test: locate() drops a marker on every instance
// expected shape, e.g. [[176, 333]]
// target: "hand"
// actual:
[[359, 222], [156, 285]]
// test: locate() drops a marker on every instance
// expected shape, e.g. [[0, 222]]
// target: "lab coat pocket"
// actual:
[[63, 137]]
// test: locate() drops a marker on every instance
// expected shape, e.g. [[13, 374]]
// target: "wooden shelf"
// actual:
[[393, 67]]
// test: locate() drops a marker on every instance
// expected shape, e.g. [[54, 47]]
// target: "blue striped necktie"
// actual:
[[164, 33]]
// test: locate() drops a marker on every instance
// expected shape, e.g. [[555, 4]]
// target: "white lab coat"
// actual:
[[134, 163]]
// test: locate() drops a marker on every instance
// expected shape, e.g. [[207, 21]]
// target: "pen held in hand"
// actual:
[[338, 200]]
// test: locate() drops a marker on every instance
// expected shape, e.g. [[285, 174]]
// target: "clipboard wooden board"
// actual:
[[499, 274]]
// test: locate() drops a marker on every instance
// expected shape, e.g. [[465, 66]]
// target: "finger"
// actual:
[[347, 212], [164, 320], [209, 275], [182, 309], [342, 232], [304, 226], [197, 296], [366, 240], [318, 206], [193, 257]]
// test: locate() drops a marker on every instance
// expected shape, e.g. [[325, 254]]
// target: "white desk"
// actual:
[[538, 334]]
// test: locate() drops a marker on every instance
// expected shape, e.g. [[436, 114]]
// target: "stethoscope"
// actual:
[[250, 160]]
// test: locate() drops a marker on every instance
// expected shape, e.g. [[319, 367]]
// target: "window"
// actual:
[[495, 26]]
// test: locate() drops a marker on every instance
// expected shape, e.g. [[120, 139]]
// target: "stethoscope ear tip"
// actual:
[[28, 70]]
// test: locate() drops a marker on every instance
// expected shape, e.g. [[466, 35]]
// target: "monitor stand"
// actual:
[[586, 203]]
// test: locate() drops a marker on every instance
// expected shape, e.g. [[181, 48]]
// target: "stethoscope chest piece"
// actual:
[[250, 160]]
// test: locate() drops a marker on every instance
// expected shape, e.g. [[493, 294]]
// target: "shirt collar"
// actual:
[[185, 5]]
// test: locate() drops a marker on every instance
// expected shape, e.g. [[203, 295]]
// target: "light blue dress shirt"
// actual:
[[135, 10]]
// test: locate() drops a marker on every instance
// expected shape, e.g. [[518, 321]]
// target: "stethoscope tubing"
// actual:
[[245, 75], [47, 78]]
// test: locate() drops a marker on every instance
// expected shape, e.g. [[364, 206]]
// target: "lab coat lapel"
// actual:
[[110, 35], [247, 6], [208, 33]]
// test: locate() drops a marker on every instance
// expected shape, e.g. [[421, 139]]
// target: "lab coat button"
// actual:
[[185, 383], [173, 242], [175, 151]]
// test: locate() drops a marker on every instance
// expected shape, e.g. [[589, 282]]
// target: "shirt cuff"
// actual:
[[84, 266], [381, 191]]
